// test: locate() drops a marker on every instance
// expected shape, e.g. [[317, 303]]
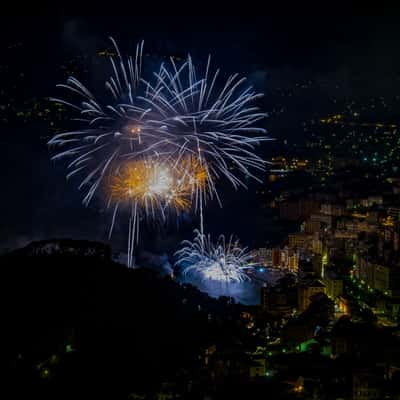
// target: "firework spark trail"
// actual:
[[225, 261]]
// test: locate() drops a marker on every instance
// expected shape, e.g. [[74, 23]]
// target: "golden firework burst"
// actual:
[[152, 185]]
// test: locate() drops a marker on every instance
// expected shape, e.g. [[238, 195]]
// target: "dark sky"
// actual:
[[345, 56]]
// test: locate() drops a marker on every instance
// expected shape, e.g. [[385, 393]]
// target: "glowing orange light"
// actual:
[[151, 183], [135, 130]]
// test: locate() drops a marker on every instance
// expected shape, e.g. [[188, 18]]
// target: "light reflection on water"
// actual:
[[242, 292]]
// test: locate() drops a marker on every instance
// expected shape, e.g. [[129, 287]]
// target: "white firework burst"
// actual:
[[225, 261]]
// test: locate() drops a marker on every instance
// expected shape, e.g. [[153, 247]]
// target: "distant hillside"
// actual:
[[65, 247]]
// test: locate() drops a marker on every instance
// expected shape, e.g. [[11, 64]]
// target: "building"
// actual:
[[366, 386], [317, 245], [317, 265], [276, 257], [323, 219], [333, 284], [263, 256], [284, 259], [385, 278], [343, 305], [394, 212], [372, 217], [276, 300], [299, 239], [300, 208], [293, 262], [355, 225], [345, 234], [365, 271], [372, 200], [308, 289], [257, 367], [335, 210], [373, 275], [312, 226]]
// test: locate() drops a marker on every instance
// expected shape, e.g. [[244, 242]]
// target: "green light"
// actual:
[[283, 350], [68, 348], [270, 353], [44, 373]]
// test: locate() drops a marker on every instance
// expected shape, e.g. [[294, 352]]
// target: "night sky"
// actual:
[[345, 57]]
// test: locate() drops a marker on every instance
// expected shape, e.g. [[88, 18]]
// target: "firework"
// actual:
[[184, 129], [225, 261], [175, 115], [151, 185]]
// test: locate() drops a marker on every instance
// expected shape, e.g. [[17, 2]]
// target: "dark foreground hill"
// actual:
[[77, 325]]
